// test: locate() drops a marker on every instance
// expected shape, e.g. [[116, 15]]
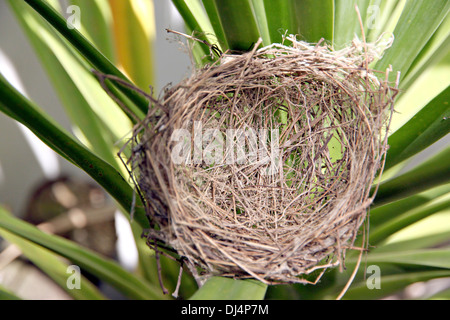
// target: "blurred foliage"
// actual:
[[410, 217]]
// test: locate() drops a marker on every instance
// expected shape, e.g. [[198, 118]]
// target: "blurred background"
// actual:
[[19, 62], [47, 185]]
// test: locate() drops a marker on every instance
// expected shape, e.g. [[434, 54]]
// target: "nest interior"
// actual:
[[260, 165]]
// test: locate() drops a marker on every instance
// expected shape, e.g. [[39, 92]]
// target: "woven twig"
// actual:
[[293, 202]]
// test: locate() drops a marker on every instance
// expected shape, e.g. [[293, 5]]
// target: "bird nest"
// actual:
[[260, 165]]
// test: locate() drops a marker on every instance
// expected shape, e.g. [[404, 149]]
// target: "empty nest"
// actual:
[[260, 165]]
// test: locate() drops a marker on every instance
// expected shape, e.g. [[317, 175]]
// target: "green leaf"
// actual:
[[96, 24], [442, 295], [197, 23], [280, 19], [383, 214], [428, 241], [261, 21], [51, 265], [219, 288], [134, 34], [315, 19], [88, 51], [391, 284], [436, 258], [27, 113], [433, 172], [213, 15], [5, 294], [435, 50], [430, 230], [238, 22], [428, 126], [382, 16], [431, 83], [346, 22], [127, 283], [90, 109], [399, 222], [414, 29]]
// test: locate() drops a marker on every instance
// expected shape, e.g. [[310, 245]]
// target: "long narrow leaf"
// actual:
[[382, 16], [88, 106], [219, 288], [7, 294], [412, 33], [428, 126], [346, 22], [315, 19], [433, 172], [429, 84], [382, 214], [27, 113], [436, 258], [96, 23], [134, 34], [49, 263], [88, 51], [238, 22], [261, 21], [105, 269], [424, 242], [434, 51], [213, 15], [193, 25], [442, 295], [402, 221], [391, 284], [280, 19]]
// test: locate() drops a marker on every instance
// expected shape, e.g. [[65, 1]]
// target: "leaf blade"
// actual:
[[399, 222], [47, 262], [412, 32], [433, 172], [88, 51], [280, 19], [6, 294], [346, 22], [96, 22], [220, 288], [436, 258], [106, 269], [391, 284], [87, 105], [134, 35], [314, 20], [213, 15], [27, 113], [238, 22], [193, 25], [426, 127]]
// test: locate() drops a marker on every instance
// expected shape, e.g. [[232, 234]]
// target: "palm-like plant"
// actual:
[[406, 244]]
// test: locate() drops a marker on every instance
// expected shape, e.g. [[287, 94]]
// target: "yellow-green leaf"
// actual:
[[134, 35]]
